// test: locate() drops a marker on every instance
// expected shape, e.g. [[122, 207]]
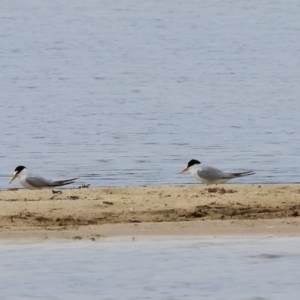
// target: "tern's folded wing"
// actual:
[[41, 182], [210, 173], [38, 181]]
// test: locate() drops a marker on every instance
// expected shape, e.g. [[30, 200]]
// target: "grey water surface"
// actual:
[[127, 92], [172, 268]]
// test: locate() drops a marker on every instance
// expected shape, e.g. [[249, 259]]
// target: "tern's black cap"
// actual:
[[19, 169], [193, 162]]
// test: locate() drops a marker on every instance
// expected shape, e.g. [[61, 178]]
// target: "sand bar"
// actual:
[[94, 213]]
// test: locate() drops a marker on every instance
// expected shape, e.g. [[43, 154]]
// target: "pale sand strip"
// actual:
[[215, 229]]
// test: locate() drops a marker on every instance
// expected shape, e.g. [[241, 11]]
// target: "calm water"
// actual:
[[126, 92], [193, 268]]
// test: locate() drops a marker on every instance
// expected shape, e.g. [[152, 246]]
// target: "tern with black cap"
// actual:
[[209, 175], [35, 182]]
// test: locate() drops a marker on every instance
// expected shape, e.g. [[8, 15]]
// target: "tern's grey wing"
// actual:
[[210, 173], [38, 181]]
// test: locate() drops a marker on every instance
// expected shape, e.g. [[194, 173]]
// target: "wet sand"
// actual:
[[94, 213]]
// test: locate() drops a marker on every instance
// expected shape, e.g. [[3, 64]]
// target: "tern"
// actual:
[[210, 175], [35, 182]]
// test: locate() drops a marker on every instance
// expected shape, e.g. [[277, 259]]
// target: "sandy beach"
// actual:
[[94, 213]]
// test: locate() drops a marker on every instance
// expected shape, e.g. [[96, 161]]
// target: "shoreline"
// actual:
[[272, 228], [192, 210]]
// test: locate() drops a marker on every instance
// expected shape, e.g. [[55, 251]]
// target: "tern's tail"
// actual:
[[241, 174], [63, 182]]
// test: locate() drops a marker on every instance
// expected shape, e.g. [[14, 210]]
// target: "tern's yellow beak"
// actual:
[[13, 178], [183, 170]]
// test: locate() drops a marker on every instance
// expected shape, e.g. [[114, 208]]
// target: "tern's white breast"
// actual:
[[22, 178]]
